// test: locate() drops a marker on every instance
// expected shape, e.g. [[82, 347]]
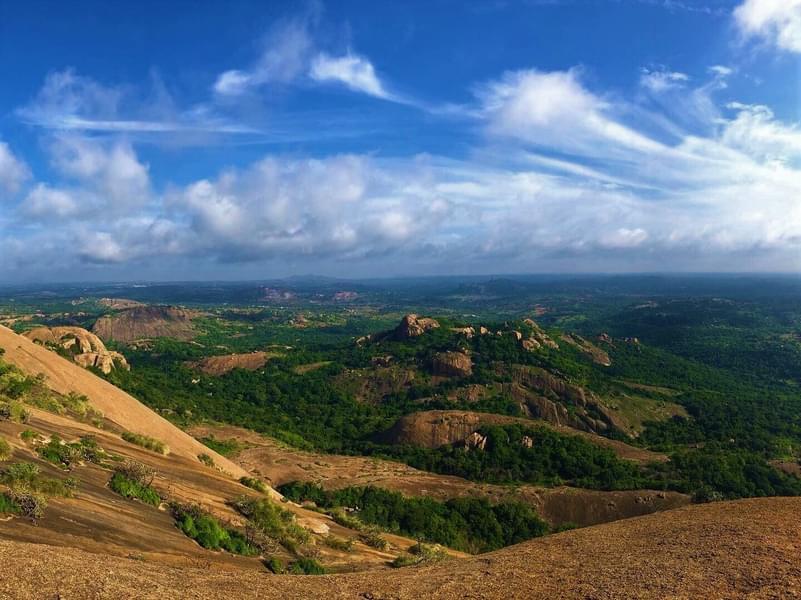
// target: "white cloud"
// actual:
[[71, 102], [284, 58], [658, 81], [554, 109], [44, 202], [13, 171], [355, 72], [778, 21]]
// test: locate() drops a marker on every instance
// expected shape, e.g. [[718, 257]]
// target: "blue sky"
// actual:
[[188, 140]]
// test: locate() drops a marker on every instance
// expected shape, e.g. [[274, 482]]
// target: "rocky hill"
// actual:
[[144, 322], [85, 348]]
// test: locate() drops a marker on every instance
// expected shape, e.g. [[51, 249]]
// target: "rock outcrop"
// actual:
[[220, 365], [146, 322], [545, 396], [436, 428], [537, 338], [452, 364], [413, 326], [598, 356], [85, 348]]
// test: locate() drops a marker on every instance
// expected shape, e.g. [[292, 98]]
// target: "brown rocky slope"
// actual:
[[144, 322], [743, 549]]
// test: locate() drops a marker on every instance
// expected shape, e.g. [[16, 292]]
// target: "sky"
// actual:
[[249, 140]]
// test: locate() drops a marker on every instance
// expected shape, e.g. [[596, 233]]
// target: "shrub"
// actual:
[[29, 435], [207, 531], [306, 566], [420, 554], [8, 506], [272, 522], [206, 460], [254, 484], [14, 411], [373, 538], [26, 477], [5, 449], [136, 471], [128, 488], [58, 452], [274, 564], [337, 543], [145, 442], [31, 504]]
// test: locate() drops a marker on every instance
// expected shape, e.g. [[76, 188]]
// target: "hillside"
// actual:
[[746, 548], [64, 377], [145, 322]]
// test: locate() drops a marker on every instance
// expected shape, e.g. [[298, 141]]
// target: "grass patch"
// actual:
[[5, 449], [306, 566], [420, 554], [8, 506], [206, 460], [225, 448], [338, 543], [145, 442]]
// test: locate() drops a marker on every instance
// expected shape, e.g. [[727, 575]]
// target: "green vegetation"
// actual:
[[5, 449], [8, 506], [206, 460], [338, 543], [553, 459], [29, 490], [420, 554], [133, 480], [272, 524], [207, 531], [468, 524], [29, 435], [254, 484], [225, 448], [306, 566], [66, 455], [145, 442]]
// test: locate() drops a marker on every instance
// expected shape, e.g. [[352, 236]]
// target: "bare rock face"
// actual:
[[413, 326], [475, 441], [146, 322], [542, 395], [86, 348], [538, 338], [453, 364], [597, 355], [467, 332], [220, 365]]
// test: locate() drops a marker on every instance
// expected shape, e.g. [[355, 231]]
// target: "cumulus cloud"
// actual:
[[564, 175], [13, 171], [776, 21]]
